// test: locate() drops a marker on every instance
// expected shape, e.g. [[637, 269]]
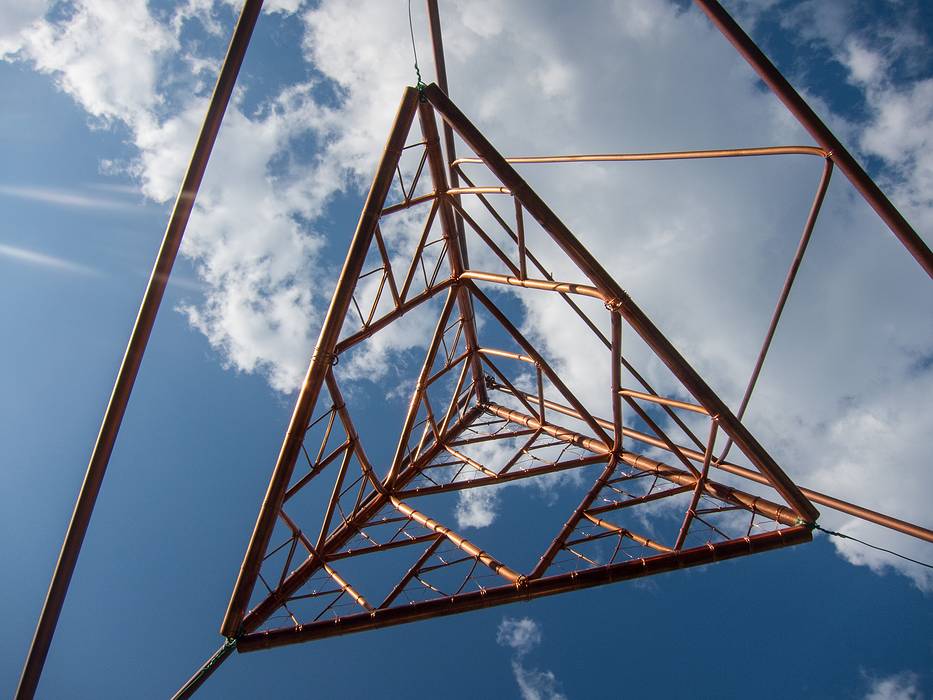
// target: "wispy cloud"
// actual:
[[65, 198], [521, 635], [900, 686], [33, 257]]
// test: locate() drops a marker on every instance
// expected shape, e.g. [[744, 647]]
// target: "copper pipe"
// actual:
[[820, 132], [670, 155], [785, 292], [437, 44], [774, 511], [478, 190], [383, 321], [663, 401], [540, 361], [574, 580], [634, 536], [320, 364], [459, 542], [454, 251], [546, 285], [132, 358], [412, 571], [623, 303], [417, 395], [616, 371], [568, 527], [345, 532], [501, 477], [871, 516], [698, 490], [408, 204]]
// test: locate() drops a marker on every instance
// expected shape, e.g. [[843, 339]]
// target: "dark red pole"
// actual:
[[820, 132], [126, 377]]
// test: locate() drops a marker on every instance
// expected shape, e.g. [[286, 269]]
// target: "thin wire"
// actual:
[[880, 549], [411, 28]]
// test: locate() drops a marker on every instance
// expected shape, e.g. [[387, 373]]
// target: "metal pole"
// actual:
[[129, 368], [437, 43], [820, 132]]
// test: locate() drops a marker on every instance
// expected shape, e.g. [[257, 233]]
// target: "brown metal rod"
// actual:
[[670, 155], [545, 285], [132, 358], [651, 398], [785, 292], [622, 302], [203, 673], [320, 363], [820, 132], [448, 227], [748, 501], [345, 531], [871, 516], [561, 583], [440, 65]]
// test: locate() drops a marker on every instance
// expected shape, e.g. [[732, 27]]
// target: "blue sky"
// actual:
[[101, 106]]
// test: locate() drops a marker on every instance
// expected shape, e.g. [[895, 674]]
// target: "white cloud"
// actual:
[[900, 686], [65, 198], [477, 507], [519, 634], [33, 257], [534, 684], [15, 18]]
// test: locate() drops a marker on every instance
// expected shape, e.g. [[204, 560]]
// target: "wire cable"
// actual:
[[867, 544], [411, 28]]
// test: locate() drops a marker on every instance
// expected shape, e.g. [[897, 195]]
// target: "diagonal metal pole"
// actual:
[[820, 132], [129, 368]]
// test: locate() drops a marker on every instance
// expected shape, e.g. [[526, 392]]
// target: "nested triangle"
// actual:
[[371, 526]]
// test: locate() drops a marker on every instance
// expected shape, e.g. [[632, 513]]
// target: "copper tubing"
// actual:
[[545, 285], [562, 583], [478, 190], [343, 533], [622, 302], [132, 358], [459, 542], [785, 293], [634, 536], [820, 132], [437, 43], [771, 510], [832, 502], [320, 364], [673, 403], [671, 155], [501, 477], [454, 248]]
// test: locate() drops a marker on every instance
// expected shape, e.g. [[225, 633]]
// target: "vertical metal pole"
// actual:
[[437, 43], [820, 132], [129, 368], [320, 364]]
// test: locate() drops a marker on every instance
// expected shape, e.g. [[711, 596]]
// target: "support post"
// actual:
[[132, 358]]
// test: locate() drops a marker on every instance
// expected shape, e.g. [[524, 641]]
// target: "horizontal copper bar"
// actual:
[[669, 155], [673, 403], [478, 190], [561, 583], [546, 285], [888, 521]]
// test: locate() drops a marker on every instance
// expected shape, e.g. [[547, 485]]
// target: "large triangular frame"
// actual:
[[486, 405]]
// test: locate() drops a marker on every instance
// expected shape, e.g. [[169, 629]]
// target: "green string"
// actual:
[[420, 85]]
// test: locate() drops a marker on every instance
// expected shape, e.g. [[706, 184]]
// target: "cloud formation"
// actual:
[[522, 635]]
